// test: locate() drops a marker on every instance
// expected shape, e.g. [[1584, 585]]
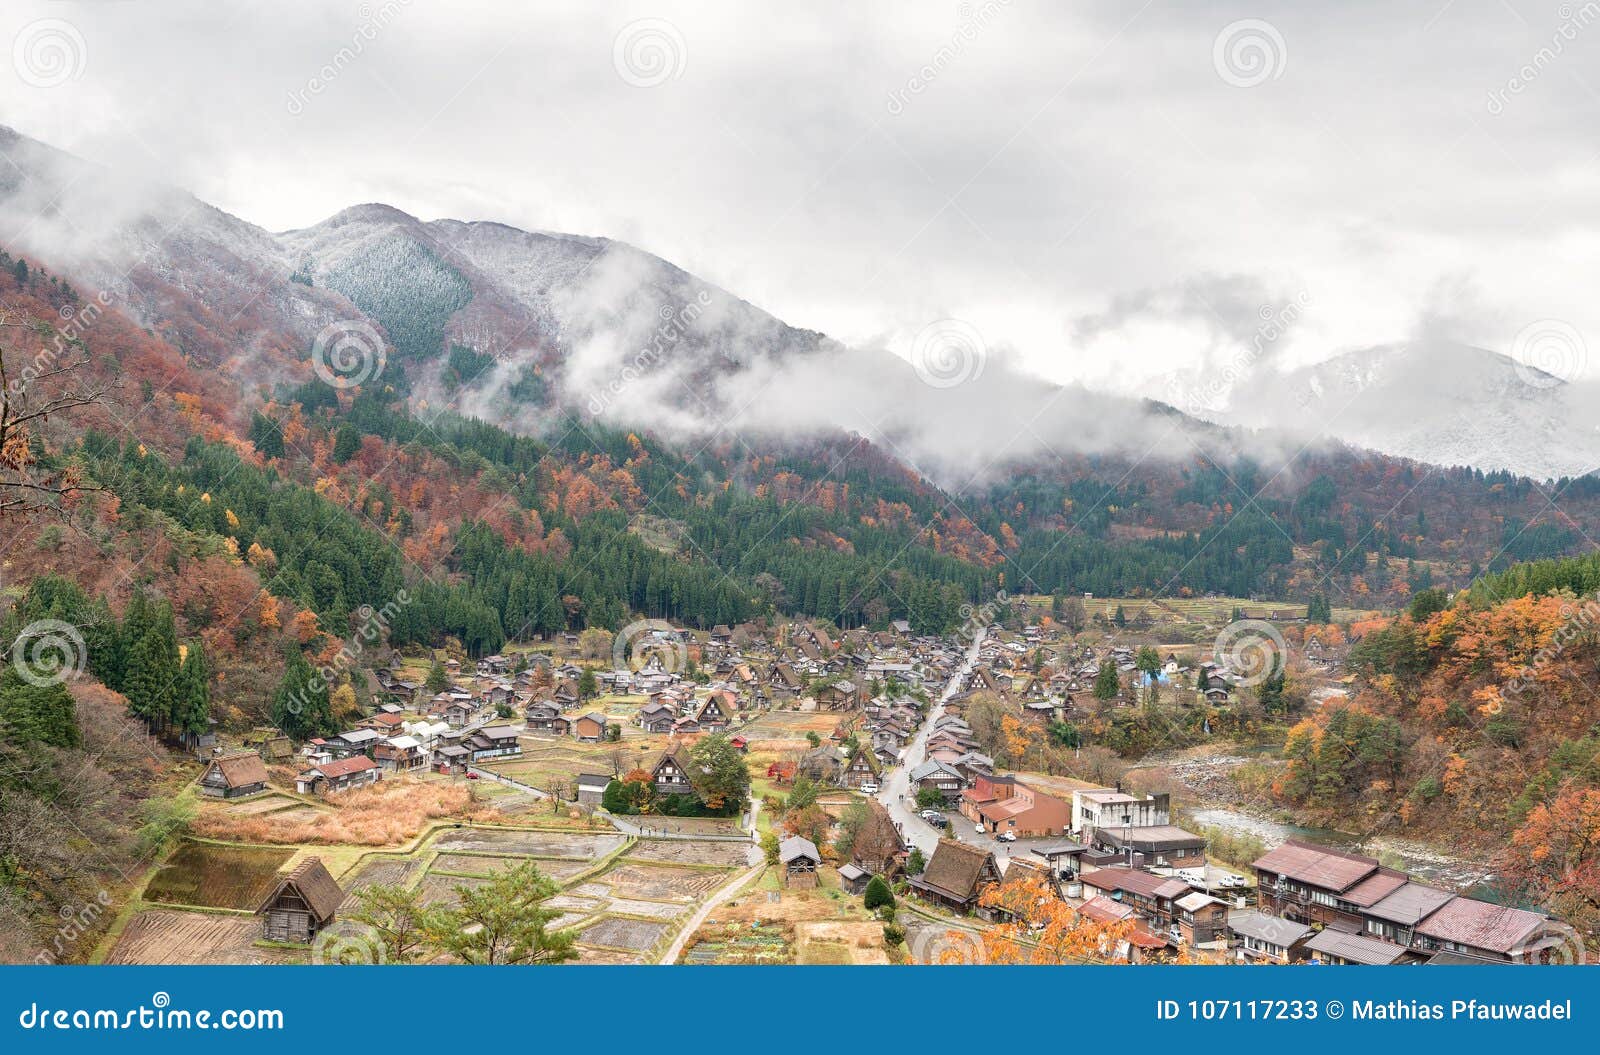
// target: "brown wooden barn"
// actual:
[[302, 903]]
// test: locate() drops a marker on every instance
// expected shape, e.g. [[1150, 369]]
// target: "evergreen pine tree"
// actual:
[[45, 714], [1107, 685], [192, 709], [301, 706]]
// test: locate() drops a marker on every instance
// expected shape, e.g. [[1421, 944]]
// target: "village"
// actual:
[[865, 770]]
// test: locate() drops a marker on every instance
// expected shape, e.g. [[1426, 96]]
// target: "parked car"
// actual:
[[978, 828], [1008, 837], [869, 789]]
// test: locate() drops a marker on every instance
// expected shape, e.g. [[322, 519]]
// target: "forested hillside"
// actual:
[[1477, 721]]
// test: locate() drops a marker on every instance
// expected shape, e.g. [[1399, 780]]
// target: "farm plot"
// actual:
[[485, 865], [265, 804], [592, 957], [658, 882], [381, 871], [441, 890], [690, 852], [164, 937], [210, 876], [571, 845], [617, 932]]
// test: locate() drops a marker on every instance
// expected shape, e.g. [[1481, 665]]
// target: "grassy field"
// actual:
[[1207, 611]]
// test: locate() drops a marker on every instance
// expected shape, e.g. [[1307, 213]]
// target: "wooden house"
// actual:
[[492, 741], [589, 728], [234, 776], [957, 876], [838, 696], [339, 775], [301, 905], [799, 860], [670, 775], [860, 769]]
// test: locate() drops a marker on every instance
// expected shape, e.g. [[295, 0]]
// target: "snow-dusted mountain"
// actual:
[[583, 324], [1439, 402]]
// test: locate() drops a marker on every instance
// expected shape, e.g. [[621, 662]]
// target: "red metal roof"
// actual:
[[1317, 865]]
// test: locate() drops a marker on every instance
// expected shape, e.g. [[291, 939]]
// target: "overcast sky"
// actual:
[[1108, 189]]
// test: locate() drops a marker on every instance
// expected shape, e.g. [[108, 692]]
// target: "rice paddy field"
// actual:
[[209, 875], [1212, 612], [625, 898]]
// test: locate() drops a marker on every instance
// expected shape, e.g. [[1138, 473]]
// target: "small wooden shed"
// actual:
[[800, 860], [301, 905]]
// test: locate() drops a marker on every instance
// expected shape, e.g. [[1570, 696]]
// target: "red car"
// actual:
[[472, 776]]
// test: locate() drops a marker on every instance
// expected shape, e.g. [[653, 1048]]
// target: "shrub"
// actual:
[[878, 894], [893, 933]]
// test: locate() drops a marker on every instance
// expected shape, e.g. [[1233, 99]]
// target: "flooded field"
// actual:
[[208, 876]]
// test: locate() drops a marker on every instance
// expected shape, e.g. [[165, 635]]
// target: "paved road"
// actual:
[[896, 793]]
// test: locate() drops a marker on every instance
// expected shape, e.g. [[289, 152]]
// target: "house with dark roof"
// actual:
[[1338, 947], [1153, 897], [1269, 939], [592, 788], [339, 775], [234, 776], [589, 728], [799, 860], [670, 774], [492, 741], [301, 904], [957, 876], [1158, 846]]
